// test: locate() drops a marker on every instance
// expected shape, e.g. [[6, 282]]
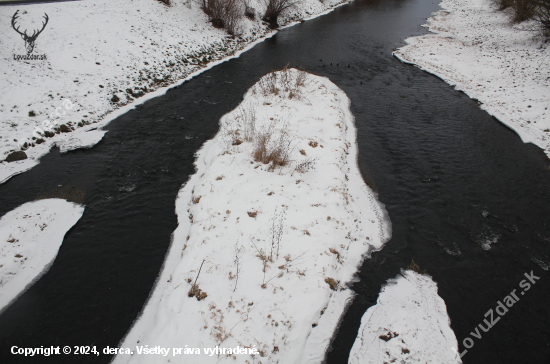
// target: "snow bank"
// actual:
[[408, 324], [278, 242], [504, 66], [134, 49], [30, 237]]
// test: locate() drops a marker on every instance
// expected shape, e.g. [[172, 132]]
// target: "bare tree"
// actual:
[[274, 8], [224, 13], [543, 16]]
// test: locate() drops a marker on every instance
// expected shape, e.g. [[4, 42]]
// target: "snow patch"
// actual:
[[408, 324], [503, 66], [279, 241], [30, 237]]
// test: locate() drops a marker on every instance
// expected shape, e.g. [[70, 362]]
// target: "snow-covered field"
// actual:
[[134, 49], [408, 324], [277, 242], [30, 237], [477, 49]]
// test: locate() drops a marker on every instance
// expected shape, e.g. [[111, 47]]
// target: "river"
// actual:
[[452, 178]]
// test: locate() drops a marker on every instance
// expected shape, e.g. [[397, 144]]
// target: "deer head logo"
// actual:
[[29, 39]]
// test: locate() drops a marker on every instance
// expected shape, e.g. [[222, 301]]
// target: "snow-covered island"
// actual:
[[408, 324], [272, 226], [104, 58], [502, 65], [30, 237]]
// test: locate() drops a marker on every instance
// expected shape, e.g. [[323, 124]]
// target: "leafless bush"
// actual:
[[542, 15], [224, 13], [249, 11], [165, 2], [273, 145], [268, 84], [276, 231], [306, 165], [274, 8], [524, 9], [247, 116], [285, 82], [504, 4]]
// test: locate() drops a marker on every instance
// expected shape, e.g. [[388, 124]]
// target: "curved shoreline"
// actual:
[[476, 49]]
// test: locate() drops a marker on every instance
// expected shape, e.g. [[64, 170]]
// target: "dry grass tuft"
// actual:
[[195, 291], [332, 283]]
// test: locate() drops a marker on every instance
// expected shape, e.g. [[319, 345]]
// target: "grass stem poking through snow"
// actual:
[[276, 231], [237, 263], [195, 290]]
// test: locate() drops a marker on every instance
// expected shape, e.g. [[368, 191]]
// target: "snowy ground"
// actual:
[[134, 49], [408, 324], [278, 243], [30, 237], [503, 65]]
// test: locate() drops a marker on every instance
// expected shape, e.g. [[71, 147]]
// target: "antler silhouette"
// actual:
[[29, 40], [13, 25], [43, 26]]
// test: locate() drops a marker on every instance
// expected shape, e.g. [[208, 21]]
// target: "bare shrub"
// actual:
[[273, 145], [274, 8], [224, 13], [276, 231], [524, 9], [285, 82], [165, 2], [542, 15], [247, 116], [306, 165], [504, 4], [249, 11]]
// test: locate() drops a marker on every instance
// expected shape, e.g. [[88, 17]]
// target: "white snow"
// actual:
[[327, 219], [30, 237], [98, 49], [408, 324], [478, 49]]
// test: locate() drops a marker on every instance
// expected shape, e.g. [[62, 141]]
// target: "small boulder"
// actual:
[[16, 156]]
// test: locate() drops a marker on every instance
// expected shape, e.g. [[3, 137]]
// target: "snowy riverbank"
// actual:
[[132, 49], [477, 49], [30, 237], [279, 241], [408, 324]]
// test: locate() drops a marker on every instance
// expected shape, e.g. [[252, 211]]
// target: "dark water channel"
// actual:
[[452, 178]]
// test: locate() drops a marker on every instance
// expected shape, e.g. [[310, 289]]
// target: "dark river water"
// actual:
[[452, 178]]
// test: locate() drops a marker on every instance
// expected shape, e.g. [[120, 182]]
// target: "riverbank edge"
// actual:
[[89, 136], [443, 31], [45, 249]]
